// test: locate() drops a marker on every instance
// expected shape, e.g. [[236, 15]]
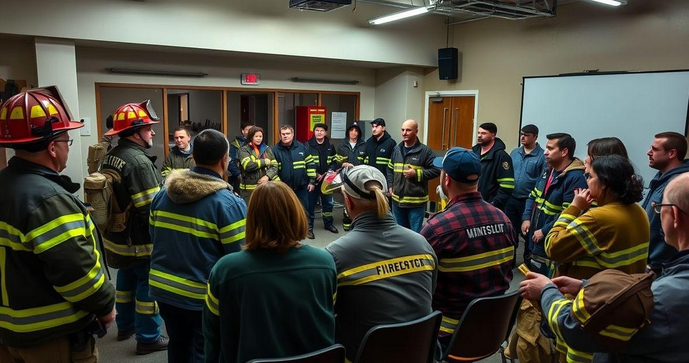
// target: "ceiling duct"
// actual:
[[318, 5]]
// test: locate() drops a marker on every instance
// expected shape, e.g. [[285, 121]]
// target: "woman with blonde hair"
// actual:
[[275, 298], [256, 162]]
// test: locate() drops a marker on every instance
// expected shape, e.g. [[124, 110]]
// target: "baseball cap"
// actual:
[[321, 125], [378, 122], [530, 129], [354, 179], [460, 164]]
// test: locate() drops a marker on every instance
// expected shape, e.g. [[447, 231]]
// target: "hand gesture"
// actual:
[[537, 236], [531, 288], [582, 198], [567, 285], [410, 172], [525, 227]]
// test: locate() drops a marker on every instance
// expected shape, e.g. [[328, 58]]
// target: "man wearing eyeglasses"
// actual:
[[528, 164], [666, 154]]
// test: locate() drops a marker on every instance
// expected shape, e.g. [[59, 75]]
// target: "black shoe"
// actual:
[[147, 348], [310, 234], [331, 228], [124, 335]]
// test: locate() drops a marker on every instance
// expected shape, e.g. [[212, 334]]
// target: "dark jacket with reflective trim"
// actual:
[[548, 207], [255, 167], [395, 286], [348, 154], [474, 242], [663, 340], [323, 155], [294, 164], [497, 175], [195, 220], [53, 282], [614, 236], [379, 152], [659, 251], [140, 183], [412, 192], [177, 159]]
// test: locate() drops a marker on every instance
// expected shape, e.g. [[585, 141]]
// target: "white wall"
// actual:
[[254, 26], [398, 100], [222, 71]]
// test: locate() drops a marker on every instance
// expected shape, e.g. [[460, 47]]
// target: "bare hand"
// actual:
[[319, 177], [537, 236], [310, 187], [525, 227], [582, 198], [567, 285], [531, 288], [106, 320], [409, 173], [389, 191], [346, 165], [263, 179]]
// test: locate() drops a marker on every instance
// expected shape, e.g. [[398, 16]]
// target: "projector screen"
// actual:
[[630, 106]]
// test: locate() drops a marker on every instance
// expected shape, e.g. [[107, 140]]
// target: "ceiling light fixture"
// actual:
[[397, 16], [153, 72], [611, 2]]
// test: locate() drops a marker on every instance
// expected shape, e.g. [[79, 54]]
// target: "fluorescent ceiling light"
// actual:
[[610, 2], [398, 16]]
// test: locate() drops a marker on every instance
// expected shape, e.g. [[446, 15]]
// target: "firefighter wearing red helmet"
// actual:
[[54, 291], [129, 249]]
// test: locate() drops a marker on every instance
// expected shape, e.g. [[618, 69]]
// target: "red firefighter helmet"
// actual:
[[34, 115], [130, 116]]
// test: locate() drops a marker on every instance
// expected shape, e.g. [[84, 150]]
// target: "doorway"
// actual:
[[450, 122]]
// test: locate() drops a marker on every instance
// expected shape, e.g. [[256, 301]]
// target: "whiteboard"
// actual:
[[630, 106]]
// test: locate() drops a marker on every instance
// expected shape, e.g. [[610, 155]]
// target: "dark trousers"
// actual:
[[514, 210], [186, 334], [326, 206], [303, 196]]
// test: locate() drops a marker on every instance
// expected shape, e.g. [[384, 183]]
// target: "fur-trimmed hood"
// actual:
[[186, 186]]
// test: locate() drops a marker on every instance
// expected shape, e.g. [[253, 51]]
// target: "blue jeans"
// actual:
[[326, 206], [411, 218], [135, 308]]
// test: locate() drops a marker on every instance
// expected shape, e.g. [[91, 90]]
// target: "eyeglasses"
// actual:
[[69, 142], [658, 206]]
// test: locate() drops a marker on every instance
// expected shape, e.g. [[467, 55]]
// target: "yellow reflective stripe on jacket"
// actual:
[[606, 260], [233, 232], [579, 309], [386, 269], [618, 332], [507, 183], [448, 325], [124, 250], [410, 200], [13, 238], [145, 197], [383, 161], [85, 286], [40, 318], [181, 223], [243, 186], [565, 219], [476, 262], [177, 285], [146, 307], [57, 231], [299, 165], [212, 302]]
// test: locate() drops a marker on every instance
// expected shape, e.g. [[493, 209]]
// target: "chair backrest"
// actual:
[[332, 354], [484, 326], [413, 341]]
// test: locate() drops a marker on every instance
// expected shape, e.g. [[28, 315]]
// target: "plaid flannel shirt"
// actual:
[[474, 242]]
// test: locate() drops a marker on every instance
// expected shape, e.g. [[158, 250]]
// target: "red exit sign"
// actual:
[[251, 79]]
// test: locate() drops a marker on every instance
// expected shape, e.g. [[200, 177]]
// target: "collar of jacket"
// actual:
[[188, 186], [261, 148], [467, 197], [382, 139], [576, 164], [325, 145], [537, 151], [370, 220], [679, 262], [359, 141], [497, 146], [663, 178], [414, 149], [176, 149], [32, 168], [133, 145]]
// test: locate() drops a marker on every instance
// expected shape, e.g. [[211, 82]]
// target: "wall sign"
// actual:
[[250, 79]]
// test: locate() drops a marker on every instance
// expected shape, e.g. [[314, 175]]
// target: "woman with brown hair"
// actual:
[[256, 162], [275, 298], [601, 147]]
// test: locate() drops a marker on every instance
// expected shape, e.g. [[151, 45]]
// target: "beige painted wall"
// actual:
[[398, 100], [642, 36], [253, 26]]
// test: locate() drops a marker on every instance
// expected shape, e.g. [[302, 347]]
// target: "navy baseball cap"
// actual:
[[460, 164]]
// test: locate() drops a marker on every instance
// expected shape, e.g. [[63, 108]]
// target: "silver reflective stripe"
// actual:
[[185, 224], [66, 227], [162, 280], [84, 287]]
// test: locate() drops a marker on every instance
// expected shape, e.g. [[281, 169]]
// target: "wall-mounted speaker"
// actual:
[[448, 63]]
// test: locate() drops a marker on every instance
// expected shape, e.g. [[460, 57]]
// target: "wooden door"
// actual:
[[450, 124]]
